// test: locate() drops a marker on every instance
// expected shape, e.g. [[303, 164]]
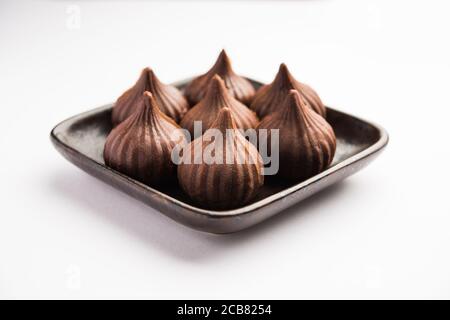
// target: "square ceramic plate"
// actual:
[[81, 138]]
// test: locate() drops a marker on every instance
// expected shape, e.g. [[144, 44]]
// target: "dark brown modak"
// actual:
[[141, 146], [169, 99], [270, 97], [239, 87], [221, 169], [306, 141], [218, 97]]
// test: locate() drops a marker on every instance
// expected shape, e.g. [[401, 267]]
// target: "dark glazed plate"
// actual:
[[80, 140]]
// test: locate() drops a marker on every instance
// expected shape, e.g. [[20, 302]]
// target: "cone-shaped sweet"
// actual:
[[270, 96], [239, 87], [141, 146], [169, 99], [221, 169], [306, 141], [218, 97]]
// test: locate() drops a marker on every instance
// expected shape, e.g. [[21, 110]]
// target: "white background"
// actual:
[[383, 233]]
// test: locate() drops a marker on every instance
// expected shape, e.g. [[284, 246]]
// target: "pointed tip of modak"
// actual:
[[144, 76], [146, 73], [216, 78], [295, 97], [148, 95], [149, 71], [217, 82], [150, 102], [284, 77], [295, 105], [216, 87], [151, 76], [223, 56], [146, 79], [224, 120], [283, 68], [223, 63]]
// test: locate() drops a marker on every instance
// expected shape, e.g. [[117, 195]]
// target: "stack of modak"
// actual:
[[149, 116]]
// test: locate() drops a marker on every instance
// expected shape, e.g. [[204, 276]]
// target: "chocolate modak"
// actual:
[[218, 97], [141, 146], [270, 96], [221, 169], [169, 99], [306, 141], [239, 87]]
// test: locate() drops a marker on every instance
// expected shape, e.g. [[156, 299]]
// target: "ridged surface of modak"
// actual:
[[169, 99], [232, 182], [239, 87], [306, 141], [141, 146], [270, 96], [218, 97]]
